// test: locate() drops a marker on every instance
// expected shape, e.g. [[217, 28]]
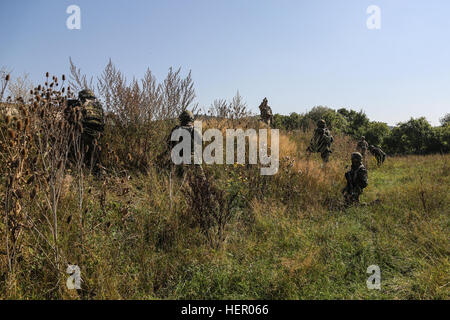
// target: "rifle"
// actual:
[[349, 187]]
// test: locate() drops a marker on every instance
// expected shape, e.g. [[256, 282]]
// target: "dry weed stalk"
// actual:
[[35, 148]]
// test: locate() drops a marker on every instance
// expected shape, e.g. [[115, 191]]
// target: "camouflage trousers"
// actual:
[[325, 155]]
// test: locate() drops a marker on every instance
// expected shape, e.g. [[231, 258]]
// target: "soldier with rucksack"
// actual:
[[379, 154], [362, 147], [321, 141], [87, 116], [357, 180], [186, 119], [266, 112]]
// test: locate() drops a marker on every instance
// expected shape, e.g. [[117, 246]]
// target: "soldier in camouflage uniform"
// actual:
[[378, 154], [356, 178], [266, 112], [91, 117], [186, 122], [362, 147], [321, 141]]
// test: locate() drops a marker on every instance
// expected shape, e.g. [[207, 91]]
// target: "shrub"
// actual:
[[209, 207]]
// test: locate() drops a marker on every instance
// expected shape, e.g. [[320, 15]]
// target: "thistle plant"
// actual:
[[35, 145]]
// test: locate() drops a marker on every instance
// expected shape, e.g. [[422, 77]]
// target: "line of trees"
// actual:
[[135, 107], [415, 136]]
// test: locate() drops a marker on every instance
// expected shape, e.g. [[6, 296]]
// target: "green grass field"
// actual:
[[324, 254]]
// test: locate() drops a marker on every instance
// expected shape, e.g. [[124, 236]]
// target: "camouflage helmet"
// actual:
[[363, 138], [186, 117], [86, 94], [321, 123], [357, 156]]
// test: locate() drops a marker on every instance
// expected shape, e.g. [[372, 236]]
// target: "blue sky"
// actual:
[[298, 54]]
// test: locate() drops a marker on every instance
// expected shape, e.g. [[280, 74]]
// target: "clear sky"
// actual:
[[298, 54]]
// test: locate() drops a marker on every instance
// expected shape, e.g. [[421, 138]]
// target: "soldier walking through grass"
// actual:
[[87, 113], [321, 141], [379, 154], [357, 180], [186, 119], [266, 112], [362, 147]]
